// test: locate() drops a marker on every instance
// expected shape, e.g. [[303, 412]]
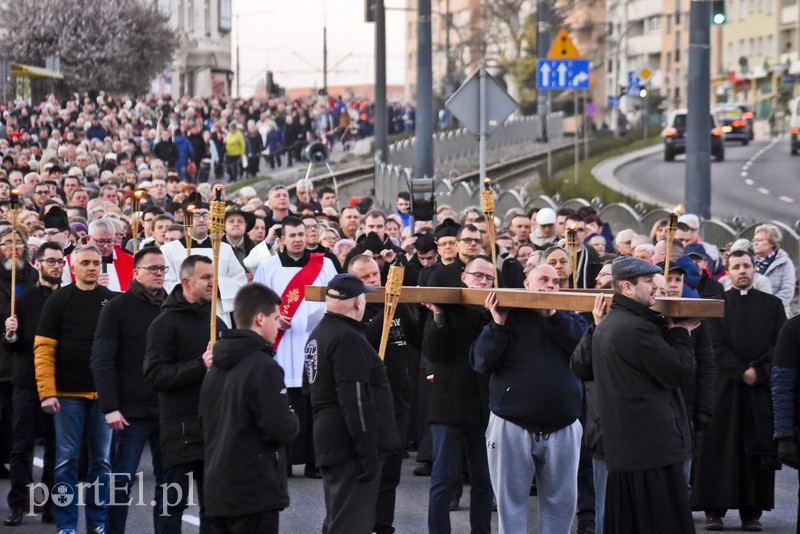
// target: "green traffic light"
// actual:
[[719, 18]]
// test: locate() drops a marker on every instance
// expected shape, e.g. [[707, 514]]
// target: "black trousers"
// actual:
[[301, 450], [390, 479], [6, 392], [349, 504], [28, 419], [260, 523]]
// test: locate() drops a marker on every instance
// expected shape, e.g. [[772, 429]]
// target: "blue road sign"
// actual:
[[612, 102], [560, 74], [634, 84]]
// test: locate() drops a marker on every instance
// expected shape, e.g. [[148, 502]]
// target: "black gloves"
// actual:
[[787, 453]]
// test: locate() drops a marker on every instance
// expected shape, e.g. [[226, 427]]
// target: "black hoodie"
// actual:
[[174, 368], [246, 421]]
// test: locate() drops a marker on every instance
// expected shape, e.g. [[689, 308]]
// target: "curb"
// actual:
[[605, 172]]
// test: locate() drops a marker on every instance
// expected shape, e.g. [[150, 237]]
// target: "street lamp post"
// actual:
[[238, 56]]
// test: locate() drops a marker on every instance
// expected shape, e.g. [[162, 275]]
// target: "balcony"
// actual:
[[649, 43], [789, 15], [639, 9]]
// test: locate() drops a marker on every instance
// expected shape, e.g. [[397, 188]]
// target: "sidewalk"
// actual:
[[605, 172]]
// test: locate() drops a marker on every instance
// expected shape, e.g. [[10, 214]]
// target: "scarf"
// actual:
[[139, 291], [762, 264]]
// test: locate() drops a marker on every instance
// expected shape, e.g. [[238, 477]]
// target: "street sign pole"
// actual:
[[482, 119], [698, 152], [646, 111], [586, 123], [549, 150], [576, 138]]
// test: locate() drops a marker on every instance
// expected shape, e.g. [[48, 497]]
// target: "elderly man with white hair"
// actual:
[[117, 265]]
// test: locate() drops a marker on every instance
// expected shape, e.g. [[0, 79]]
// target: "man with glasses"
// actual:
[[56, 229], [232, 275], [458, 404], [62, 350], [41, 194], [603, 280], [313, 241], [25, 278], [129, 405], [468, 245], [117, 265], [27, 413]]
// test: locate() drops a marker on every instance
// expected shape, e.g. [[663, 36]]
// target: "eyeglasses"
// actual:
[[155, 269], [104, 242], [197, 215], [54, 261], [470, 240], [603, 273], [334, 239], [10, 244], [480, 276], [44, 192], [312, 226], [51, 233]]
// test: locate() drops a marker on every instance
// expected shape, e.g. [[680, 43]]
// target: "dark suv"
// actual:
[[675, 136], [735, 126]]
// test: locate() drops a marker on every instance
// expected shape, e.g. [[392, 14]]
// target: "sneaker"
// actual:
[[96, 530], [455, 503], [67, 531], [713, 522], [752, 525]]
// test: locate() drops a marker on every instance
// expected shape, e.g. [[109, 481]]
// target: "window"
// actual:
[[742, 9], [669, 23], [769, 49], [164, 6], [190, 21], [207, 17], [181, 15], [225, 16], [669, 61], [760, 46]]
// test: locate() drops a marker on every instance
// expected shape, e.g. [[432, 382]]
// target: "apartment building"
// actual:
[[202, 65]]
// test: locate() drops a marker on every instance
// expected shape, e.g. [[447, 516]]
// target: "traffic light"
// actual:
[[369, 10], [718, 12]]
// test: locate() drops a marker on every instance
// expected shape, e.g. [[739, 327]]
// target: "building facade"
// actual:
[[202, 65]]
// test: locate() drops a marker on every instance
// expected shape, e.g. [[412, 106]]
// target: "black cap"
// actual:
[[425, 242], [372, 242], [347, 286], [627, 268], [448, 228], [249, 218], [194, 199], [56, 218]]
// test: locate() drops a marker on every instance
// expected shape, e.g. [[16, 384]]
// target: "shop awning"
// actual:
[[18, 69]]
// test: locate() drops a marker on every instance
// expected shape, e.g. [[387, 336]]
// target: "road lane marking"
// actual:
[[744, 174], [788, 200], [749, 182], [763, 191]]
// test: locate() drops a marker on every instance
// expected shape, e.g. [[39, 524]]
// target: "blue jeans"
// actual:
[[126, 451], [600, 477], [70, 421], [446, 473]]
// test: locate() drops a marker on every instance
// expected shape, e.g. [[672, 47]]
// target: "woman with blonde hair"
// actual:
[[774, 263]]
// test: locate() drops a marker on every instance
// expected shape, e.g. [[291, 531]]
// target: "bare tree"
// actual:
[[115, 46]]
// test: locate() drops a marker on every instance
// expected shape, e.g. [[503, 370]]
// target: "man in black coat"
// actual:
[[26, 412], [403, 343], [786, 395], [459, 406], [247, 420], [176, 361], [354, 422], [129, 405], [640, 361], [737, 457]]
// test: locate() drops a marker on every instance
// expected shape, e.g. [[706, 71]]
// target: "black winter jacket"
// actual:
[[29, 308], [246, 421], [785, 386], [174, 368], [26, 278]]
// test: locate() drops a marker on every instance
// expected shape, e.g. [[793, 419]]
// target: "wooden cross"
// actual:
[[581, 300]]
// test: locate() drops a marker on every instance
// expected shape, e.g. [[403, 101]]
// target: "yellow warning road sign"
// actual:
[[563, 47]]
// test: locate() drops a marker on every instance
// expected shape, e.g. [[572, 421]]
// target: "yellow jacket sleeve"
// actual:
[[44, 361]]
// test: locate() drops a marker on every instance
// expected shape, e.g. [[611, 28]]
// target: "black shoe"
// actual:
[[14, 517], [586, 527], [48, 516], [713, 522], [311, 472], [423, 470], [752, 525], [455, 503]]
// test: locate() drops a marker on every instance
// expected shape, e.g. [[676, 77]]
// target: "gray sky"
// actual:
[[287, 37]]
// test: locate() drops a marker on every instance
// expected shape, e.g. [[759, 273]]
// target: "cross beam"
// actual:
[[520, 298]]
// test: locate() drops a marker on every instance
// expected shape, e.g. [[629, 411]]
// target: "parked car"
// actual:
[[675, 136], [794, 125], [734, 126]]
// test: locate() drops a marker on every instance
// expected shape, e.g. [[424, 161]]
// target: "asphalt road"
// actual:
[[757, 182], [306, 512]]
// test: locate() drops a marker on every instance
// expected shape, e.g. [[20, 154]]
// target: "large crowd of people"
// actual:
[[107, 351]]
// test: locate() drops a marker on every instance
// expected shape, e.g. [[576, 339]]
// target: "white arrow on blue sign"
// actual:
[[560, 74]]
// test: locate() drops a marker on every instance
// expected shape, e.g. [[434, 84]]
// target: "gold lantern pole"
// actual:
[[394, 285], [672, 227], [487, 203], [137, 200], [217, 209], [14, 202], [187, 228], [573, 246]]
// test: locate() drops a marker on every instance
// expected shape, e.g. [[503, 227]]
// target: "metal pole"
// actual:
[[547, 137], [448, 75], [645, 111], [586, 123], [381, 129], [575, 140], [325, 56], [424, 122], [543, 46], [698, 151], [238, 64], [482, 120]]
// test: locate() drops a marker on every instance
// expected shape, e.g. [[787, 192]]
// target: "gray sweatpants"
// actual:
[[515, 455]]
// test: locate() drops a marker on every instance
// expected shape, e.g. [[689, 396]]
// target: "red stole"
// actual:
[[295, 291]]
